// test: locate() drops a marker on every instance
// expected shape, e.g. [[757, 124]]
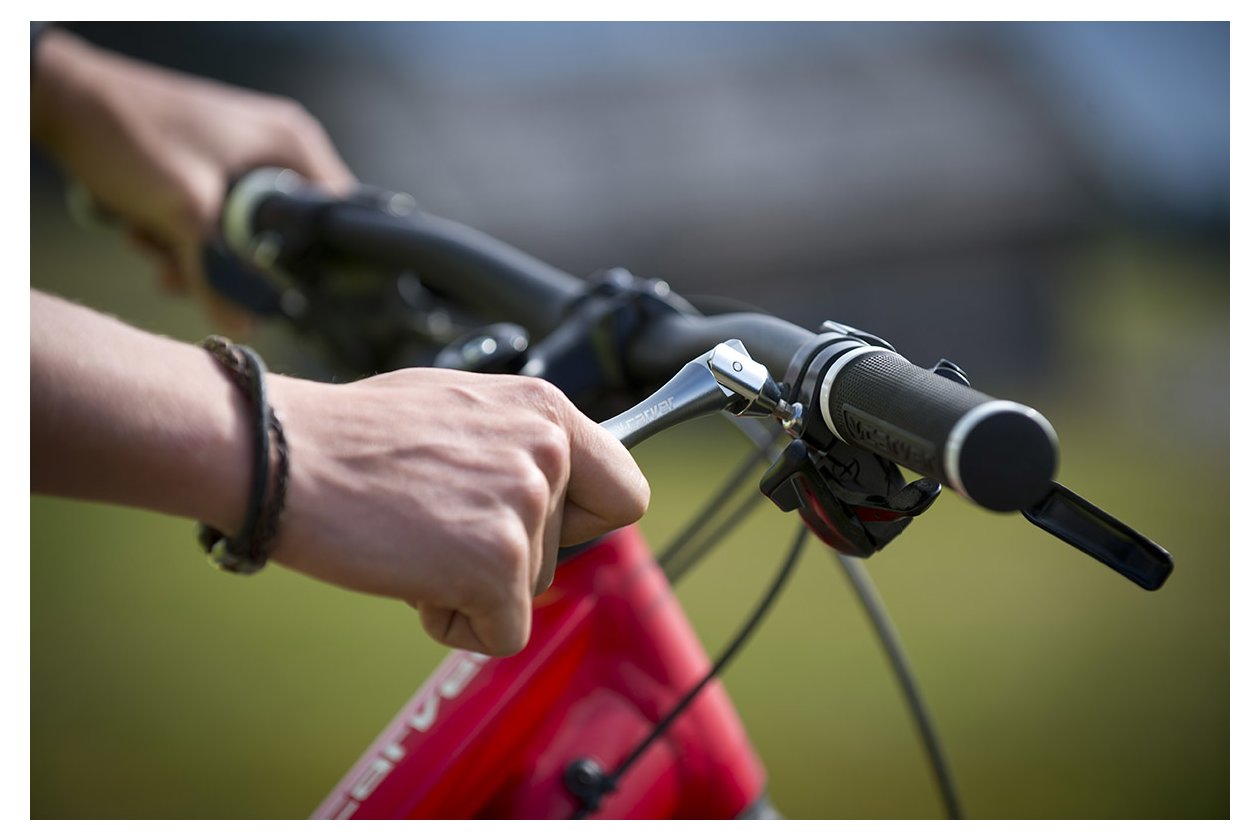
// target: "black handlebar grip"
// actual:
[[1000, 454]]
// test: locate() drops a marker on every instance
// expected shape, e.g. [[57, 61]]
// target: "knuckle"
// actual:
[[294, 121], [533, 492], [544, 396], [292, 112], [508, 545], [436, 623], [549, 447]]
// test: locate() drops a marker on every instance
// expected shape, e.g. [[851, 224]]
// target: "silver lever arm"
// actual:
[[724, 379]]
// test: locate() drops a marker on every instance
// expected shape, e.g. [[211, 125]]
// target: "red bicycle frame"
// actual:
[[610, 654]]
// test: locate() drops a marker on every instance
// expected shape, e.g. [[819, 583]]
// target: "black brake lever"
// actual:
[[1087, 527]]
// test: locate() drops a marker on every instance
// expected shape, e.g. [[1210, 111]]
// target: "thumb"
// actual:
[[607, 489]]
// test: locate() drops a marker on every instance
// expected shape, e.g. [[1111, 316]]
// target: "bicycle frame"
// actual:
[[609, 655]]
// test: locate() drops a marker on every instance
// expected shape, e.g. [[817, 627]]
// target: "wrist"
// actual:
[[126, 417], [295, 404]]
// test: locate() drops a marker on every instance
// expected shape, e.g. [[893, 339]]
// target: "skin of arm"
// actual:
[[449, 491]]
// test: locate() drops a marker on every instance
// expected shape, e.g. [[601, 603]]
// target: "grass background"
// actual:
[[160, 688]]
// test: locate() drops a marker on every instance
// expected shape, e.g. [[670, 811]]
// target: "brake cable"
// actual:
[[584, 777], [676, 562], [886, 631], [681, 564]]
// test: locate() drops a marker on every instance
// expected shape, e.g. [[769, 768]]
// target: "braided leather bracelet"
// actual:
[[248, 551]]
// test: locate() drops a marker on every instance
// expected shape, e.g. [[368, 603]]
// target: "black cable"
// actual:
[[887, 632], [675, 568], [668, 557], [609, 783]]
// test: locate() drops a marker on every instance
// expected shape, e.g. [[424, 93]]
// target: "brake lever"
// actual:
[[725, 378], [1085, 526]]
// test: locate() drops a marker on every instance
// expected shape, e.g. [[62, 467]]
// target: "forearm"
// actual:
[[122, 416], [446, 489]]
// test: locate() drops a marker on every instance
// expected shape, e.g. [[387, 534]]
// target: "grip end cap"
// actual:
[[1003, 456]]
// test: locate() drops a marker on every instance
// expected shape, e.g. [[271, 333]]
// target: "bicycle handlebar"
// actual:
[[656, 353], [453, 259], [999, 454]]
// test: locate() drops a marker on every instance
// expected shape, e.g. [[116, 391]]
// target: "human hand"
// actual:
[[451, 491], [158, 149]]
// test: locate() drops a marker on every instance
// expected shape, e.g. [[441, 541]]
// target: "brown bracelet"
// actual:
[[248, 551]]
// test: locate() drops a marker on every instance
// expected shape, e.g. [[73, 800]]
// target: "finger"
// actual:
[[326, 166], [550, 549], [450, 628], [605, 484], [170, 278], [147, 243], [552, 461], [499, 633], [313, 156], [581, 525], [228, 318]]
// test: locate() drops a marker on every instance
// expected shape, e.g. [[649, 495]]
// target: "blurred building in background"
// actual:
[[921, 181]]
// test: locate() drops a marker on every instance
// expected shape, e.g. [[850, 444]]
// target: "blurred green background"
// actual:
[[160, 688]]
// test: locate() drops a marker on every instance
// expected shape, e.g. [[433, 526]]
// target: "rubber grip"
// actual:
[[1000, 454]]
